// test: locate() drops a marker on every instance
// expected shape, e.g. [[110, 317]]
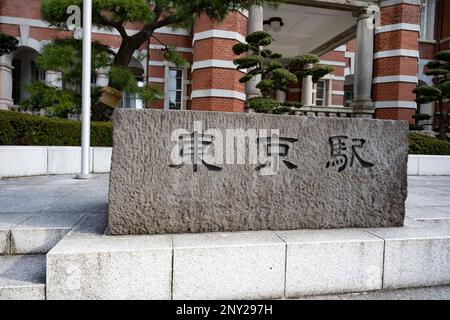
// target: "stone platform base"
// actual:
[[251, 265]]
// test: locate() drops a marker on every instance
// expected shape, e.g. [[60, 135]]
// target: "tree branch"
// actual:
[[116, 25], [106, 49]]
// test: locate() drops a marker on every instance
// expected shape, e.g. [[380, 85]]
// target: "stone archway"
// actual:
[[25, 72]]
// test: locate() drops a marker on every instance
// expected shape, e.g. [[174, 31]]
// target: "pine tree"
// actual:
[[260, 61], [439, 69]]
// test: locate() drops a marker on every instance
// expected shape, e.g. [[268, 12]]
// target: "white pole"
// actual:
[[86, 91]]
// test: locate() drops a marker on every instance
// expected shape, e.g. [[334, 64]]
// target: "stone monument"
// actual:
[[186, 172]]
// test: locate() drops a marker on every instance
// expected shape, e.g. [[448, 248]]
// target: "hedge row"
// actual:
[[29, 130], [421, 144]]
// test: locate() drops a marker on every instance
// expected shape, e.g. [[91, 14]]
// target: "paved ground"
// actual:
[[428, 201], [51, 207]]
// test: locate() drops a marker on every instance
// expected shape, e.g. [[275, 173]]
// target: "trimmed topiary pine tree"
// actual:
[[439, 69], [260, 61], [265, 63], [298, 67]]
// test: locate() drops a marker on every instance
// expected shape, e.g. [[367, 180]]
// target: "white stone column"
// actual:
[[255, 23], [6, 84], [364, 59], [102, 77], [53, 79], [281, 96], [307, 88]]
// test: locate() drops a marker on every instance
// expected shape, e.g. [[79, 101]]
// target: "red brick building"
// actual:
[[378, 50]]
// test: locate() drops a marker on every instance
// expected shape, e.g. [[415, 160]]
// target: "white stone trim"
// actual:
[[244, 12], [342, 48], [338, 93], [389, 79], [155, 63], [215, 63], [387, 3], [157, 80], [294, 90], [161, 47], [333, 77], [395, 104], [220, 93], [396, 53], [333, 63], [398, 26], [216, 33]]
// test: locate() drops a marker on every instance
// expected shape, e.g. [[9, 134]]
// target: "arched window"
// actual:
[[25, 72]]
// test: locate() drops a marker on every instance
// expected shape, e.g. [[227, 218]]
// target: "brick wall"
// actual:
[[396, 61], [215, 79]]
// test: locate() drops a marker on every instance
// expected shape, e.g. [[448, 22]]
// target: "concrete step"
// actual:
[[22, 277], [249, 265], [34, 233]]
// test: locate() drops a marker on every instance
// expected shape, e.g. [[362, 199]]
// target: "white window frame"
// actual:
[[427, 20], [136, 101], [168, 65], [327, 93]]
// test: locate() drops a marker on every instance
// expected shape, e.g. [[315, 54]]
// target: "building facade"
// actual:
[[378, 50]]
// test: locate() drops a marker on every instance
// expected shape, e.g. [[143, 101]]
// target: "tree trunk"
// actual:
[[125, 54]]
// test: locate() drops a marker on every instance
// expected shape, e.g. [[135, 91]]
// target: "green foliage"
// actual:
[[28, 130], [250, 61], [56, 102], [171, 55], [65, 55], [8, 44], [267, 105], [282, 79], [259, 39], [263, 62], [150, 15], [274, 76], [282, 110], [415, 127], [443, 56], [437, 72], [421, 117], [150, 93], [440, 70], [421, 144], [263, 105], [240, 48], [293, 104], [122, 79], [110, 13], [300, 61], [427, 94], [297, 66]]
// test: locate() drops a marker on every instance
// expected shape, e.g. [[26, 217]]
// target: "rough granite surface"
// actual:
[[148, 195]]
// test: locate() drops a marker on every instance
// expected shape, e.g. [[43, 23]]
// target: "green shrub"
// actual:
[[57, 102], [29, 130], [415, 127], [421, 144]]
